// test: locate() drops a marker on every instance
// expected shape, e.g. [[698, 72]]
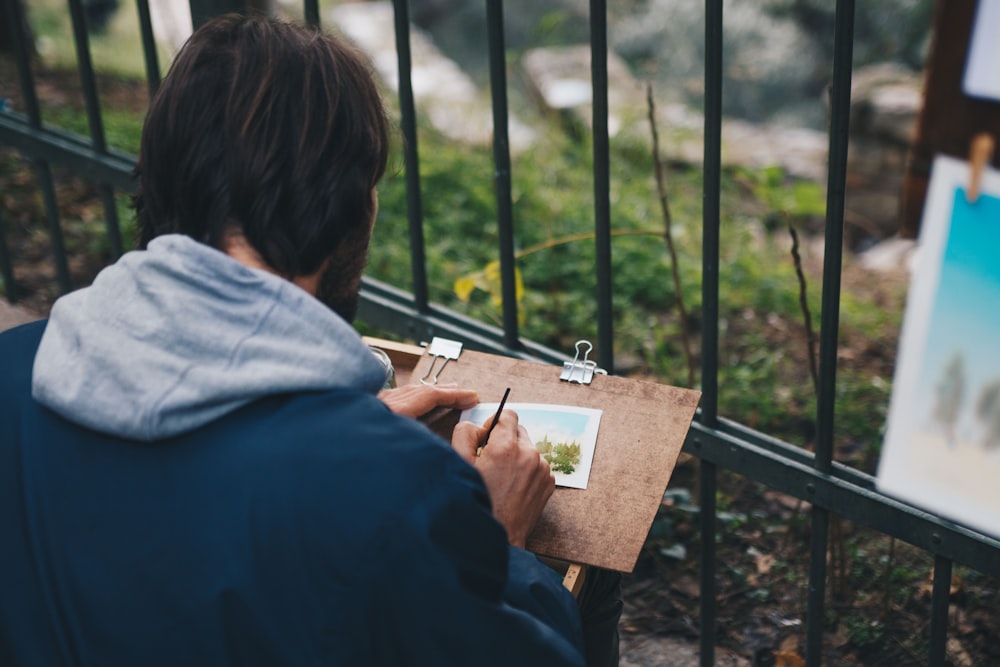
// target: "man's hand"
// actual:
[[518, 479], [416, 400]]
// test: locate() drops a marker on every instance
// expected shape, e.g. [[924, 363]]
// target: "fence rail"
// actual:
[[719, 443]]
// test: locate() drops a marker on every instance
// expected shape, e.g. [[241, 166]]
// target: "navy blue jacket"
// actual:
[[302, 529]]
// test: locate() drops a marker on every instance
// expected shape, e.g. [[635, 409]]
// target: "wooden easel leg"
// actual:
[[574, 577]]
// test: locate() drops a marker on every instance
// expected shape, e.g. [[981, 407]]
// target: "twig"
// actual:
[[668, 235], [582, 236], [804, 304], [810, 334], [783, 546]]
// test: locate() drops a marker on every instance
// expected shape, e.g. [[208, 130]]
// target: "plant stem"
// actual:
[[668, 236], [582, 236], [804, 303]]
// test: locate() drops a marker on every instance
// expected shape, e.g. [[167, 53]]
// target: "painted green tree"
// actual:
[[564, 457], [988, 411], [950, 391]]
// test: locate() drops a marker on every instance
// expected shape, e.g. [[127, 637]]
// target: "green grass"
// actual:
[[122, 129], [117, 51]]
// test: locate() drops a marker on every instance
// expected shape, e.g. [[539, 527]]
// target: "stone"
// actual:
[[892, 255], [561, 80], [885, 103], [442, 92]]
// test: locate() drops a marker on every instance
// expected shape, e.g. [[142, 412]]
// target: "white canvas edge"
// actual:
[[949, 178], [982, 76]]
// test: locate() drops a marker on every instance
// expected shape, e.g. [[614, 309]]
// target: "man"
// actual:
[[195, 468]]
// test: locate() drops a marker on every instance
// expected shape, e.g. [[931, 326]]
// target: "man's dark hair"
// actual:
[[268, 128]]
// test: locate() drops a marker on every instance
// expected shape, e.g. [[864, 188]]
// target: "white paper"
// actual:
[[982, 69]]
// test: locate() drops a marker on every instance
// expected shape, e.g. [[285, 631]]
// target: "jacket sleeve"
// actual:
[[458, 594]]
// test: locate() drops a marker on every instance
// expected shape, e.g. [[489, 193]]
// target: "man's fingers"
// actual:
[[507, 433], [546, 477], [455, 397], [418, 400], [465, 440]]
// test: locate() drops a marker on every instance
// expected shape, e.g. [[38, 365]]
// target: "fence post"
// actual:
[[711, 233], [6, 266], [202, 10]]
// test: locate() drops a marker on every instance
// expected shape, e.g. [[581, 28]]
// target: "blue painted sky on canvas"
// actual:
[[557, 424], [966, 310]]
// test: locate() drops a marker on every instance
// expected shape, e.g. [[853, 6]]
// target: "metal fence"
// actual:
[[719, 443]]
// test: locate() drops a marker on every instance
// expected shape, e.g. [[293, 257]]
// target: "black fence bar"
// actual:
[[23, 52], [840, 111], [711, 214], [501, 170], [819, 534], [602, 182], [830, 317], [48, 187], [68, 150], [202, 10], [408, 120], [707, 488], [12, 10], [311, 12], [6, 266], [940, 599], [34, 125], [88, 83], [111, 221], [149, 54], [711, 232]]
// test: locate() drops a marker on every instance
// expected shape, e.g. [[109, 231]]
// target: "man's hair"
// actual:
[[270, 128]]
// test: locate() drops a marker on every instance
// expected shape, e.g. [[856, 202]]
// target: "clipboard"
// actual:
[[642, 430]]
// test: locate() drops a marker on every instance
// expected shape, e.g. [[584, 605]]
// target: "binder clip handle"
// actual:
[[440, 348], [581, 370]]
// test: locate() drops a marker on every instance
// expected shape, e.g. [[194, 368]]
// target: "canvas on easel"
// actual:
[[642, 427], [942, 443]]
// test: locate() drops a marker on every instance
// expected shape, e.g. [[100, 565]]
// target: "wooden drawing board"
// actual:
[[642, 430]]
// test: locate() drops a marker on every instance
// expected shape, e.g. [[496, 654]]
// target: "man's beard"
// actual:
[[339, 285]]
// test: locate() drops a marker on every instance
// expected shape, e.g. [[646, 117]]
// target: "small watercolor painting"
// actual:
[[942, 443], [564, 434]]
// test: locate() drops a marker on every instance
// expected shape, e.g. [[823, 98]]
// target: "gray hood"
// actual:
[[173, 337]]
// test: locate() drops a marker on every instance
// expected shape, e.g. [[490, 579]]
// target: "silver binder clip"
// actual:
[[581, 370], [440, 348]]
